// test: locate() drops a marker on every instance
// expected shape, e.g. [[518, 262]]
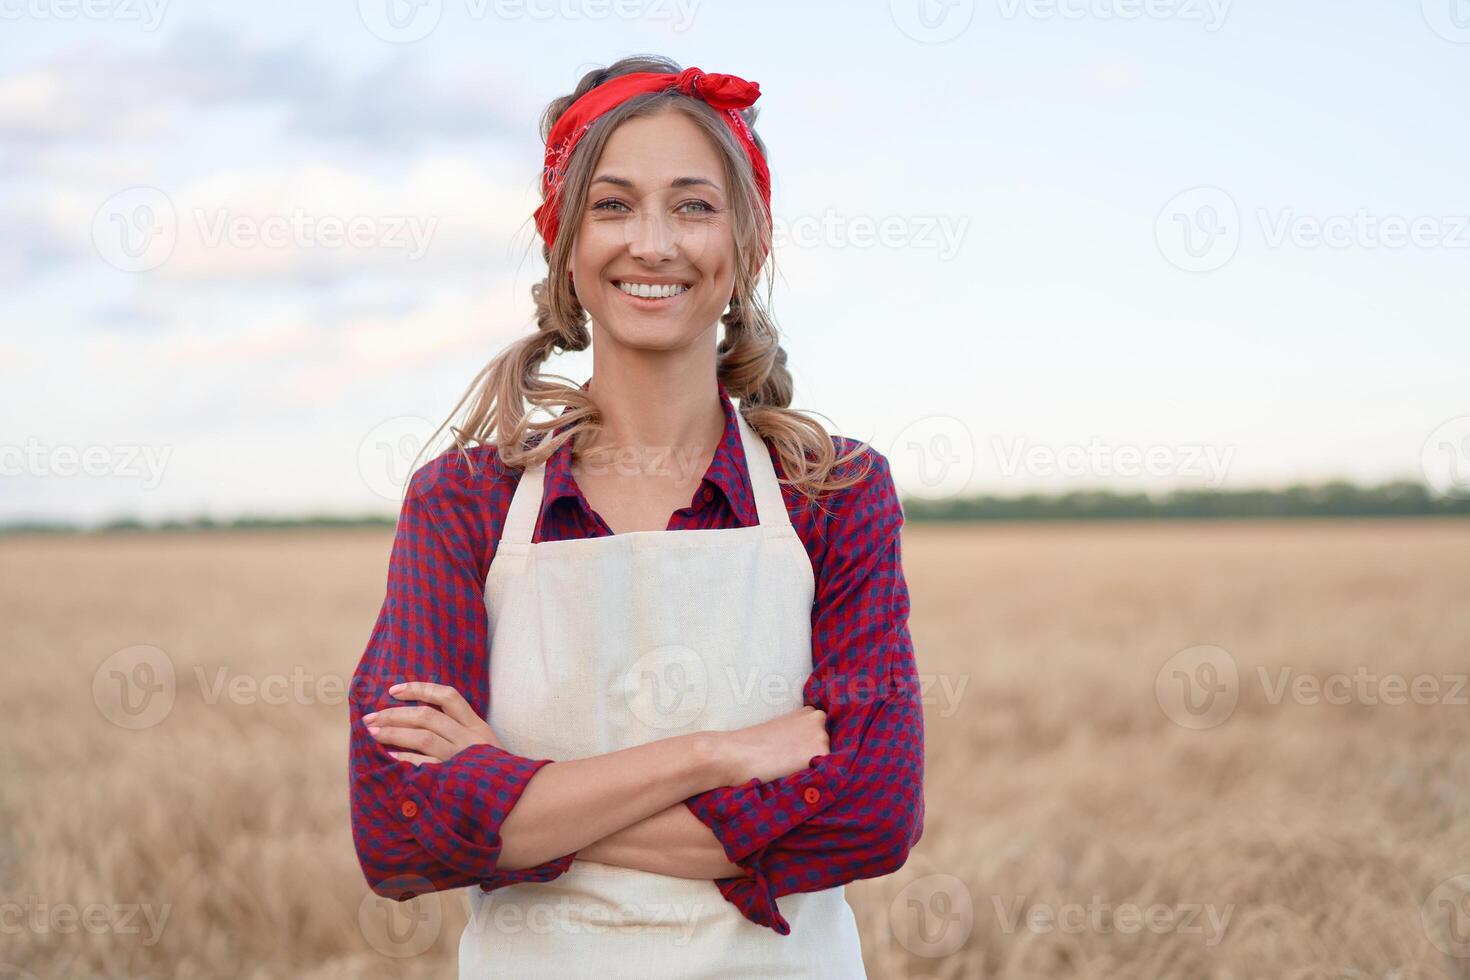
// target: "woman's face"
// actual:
[[657, 212]]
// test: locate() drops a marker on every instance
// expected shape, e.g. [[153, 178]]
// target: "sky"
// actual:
[[255, 254]]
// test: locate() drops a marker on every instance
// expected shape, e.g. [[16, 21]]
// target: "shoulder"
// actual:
[[853, 519], [869, 487], [465, 493], [873, 485]]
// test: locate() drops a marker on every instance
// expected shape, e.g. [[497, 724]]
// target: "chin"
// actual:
[[652, 336]]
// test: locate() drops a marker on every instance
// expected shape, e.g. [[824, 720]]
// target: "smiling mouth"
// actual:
[[650, 295]]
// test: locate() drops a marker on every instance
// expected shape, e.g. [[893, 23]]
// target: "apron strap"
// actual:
[[525, 509], [770, 508]]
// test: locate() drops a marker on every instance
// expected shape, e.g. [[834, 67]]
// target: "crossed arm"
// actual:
[[671, 842], [488, 817]]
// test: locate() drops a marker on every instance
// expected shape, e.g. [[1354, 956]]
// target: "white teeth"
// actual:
[[648, 291]]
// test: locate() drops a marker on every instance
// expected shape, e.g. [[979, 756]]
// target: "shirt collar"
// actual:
[[727, 472]]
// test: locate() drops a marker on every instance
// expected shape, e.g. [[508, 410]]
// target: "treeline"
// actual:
[[201, 524], [1337, 498]]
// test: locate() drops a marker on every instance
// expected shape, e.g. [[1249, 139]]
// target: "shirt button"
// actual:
[[811, 794], [410, 809], [709, 494]]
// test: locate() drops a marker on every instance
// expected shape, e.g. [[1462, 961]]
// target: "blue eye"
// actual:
[[599, 206]]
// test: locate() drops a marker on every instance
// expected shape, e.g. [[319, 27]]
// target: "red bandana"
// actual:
[[727, 93]]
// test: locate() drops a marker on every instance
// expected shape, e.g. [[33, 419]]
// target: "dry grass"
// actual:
[[1056, 781]]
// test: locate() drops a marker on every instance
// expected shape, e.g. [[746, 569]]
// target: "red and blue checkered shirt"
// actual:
[[854, 813]]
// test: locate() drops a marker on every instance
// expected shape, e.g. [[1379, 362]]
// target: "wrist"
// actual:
[[715, 762]]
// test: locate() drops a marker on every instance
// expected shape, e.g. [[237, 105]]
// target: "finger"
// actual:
[[446, 697], [422, 716], [415, 758], [417, 739]]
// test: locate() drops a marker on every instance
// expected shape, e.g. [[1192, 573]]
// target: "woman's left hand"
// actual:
[[431, 734]]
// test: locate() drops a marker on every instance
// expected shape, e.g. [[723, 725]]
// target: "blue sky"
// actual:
[[1023, 246]]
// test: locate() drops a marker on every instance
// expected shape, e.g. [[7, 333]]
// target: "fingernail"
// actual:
[[370, 718], [396, 688], [372, 730]]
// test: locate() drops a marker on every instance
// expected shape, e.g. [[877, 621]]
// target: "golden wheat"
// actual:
[[1079, 823]]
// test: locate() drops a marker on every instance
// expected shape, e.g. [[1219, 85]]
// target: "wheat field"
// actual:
[[1187, 750]]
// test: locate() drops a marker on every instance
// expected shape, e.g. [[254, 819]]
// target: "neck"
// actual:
[[656, 404]]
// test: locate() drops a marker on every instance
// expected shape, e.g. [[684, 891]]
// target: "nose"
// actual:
[[651, 235]]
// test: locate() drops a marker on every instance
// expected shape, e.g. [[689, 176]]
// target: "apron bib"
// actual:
[[600, 644]]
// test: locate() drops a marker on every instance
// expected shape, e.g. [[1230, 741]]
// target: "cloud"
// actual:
[[96, 92], [394, 170]]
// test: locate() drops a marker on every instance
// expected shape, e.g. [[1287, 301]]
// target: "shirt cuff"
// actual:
[[456, 812], [753, 895], [747, 817]]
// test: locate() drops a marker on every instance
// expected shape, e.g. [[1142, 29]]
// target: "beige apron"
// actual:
[[600, 644]]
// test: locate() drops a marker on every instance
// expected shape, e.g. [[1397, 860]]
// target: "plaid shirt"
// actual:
[[854, 813]]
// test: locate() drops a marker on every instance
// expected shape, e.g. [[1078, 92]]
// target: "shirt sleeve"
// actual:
[[855, 812], [432, 827]]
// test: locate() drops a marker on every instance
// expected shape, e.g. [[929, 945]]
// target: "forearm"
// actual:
[[671, 842], [567, 806]]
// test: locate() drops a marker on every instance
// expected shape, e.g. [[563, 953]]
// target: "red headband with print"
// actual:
[[727, 93]]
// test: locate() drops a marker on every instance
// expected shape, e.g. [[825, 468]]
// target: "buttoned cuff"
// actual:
[[456, 812], [747, 817]]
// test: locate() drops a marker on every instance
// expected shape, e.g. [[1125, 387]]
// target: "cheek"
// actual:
[[713, 250], [595, 244]]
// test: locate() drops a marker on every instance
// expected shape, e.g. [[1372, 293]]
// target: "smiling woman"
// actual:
[[655, 714]]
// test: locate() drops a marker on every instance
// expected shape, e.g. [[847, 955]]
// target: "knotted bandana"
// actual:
[[727, 93]]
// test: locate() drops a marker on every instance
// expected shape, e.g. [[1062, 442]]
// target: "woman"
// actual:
[[658, 723]]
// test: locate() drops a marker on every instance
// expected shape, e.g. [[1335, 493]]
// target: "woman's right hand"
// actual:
[[774, 748]]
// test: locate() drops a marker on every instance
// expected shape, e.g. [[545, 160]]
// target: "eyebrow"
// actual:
[[677, 182]]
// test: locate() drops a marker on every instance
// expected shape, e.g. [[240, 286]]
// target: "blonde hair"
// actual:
[[750, 361]]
